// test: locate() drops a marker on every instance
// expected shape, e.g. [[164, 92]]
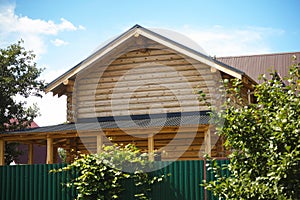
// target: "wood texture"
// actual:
[[99, 143], [30, 154], [143, 82], [49, 151], [2, 151], [151, 147]]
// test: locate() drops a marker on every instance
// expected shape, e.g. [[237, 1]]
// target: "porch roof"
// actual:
[[129, 121]]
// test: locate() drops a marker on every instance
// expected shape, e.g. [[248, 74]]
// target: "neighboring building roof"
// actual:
[[31, 125], [134, 121], [255, 65], [184, 46]]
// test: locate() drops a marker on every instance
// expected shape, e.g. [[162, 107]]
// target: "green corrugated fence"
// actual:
[[34, 182]]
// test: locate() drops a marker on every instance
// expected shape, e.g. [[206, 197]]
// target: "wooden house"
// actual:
[[137, 88]]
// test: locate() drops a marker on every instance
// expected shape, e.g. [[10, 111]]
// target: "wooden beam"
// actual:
[[213, 70], [2, 150], [99, 143], [207, 142], [151, 147], [30, 154], [49, 151]]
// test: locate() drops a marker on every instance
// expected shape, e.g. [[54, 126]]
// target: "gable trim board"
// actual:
[[136, 31]]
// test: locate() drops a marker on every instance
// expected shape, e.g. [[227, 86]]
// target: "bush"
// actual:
[[265, 142], [101, 176]]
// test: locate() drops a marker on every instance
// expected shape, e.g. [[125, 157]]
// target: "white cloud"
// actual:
[[221, 41], [59, 42], [81, 27], [32, 31]]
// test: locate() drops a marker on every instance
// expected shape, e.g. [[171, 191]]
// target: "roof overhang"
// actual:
[[137, 31], [130, 122]]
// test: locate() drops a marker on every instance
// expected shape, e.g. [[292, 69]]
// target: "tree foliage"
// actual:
[[18, 77], [265, 142], [101, 176]]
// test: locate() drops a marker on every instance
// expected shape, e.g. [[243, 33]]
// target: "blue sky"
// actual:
[[62, 33]]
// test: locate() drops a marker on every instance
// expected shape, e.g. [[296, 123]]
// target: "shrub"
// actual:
[[101, 176]]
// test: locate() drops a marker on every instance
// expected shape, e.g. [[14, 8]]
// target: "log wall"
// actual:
[[143, 82]]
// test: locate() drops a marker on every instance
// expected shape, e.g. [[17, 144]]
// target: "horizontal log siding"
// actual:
[[143, 82]]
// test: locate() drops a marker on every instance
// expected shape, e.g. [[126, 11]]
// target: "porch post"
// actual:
[[2, 151], [49, 150], [30, 154], [99, 143], [151, 147], [207, 140]]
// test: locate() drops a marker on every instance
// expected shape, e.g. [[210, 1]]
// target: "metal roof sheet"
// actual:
[[255, 65], [136, 121]]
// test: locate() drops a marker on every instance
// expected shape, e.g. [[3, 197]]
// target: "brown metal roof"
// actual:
[[255, 65]]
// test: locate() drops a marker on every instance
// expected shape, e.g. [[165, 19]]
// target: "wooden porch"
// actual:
[[186, 142]]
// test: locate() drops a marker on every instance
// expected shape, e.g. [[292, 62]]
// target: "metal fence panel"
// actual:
[[34, 182]]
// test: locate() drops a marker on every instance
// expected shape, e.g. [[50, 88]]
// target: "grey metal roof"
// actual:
[[135, 121]]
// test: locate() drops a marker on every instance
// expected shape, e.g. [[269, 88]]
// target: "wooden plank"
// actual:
[[2, 152], [179, 67], [149, 67], [148, 76], [123, 87], [139, 106], [30, 154], [99, 143], [162, 66], [39, 135], [163, 137], [89, 103], [49, 151], [207, 141], [143, 59], [104, 96], [140, 96], [148, 51], [95, 84], [151, 147]]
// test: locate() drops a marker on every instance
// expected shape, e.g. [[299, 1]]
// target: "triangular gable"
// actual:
[[136, 31]]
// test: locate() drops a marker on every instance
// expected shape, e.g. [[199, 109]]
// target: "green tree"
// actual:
[[18, 77], [265, 142], [103, 176]]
